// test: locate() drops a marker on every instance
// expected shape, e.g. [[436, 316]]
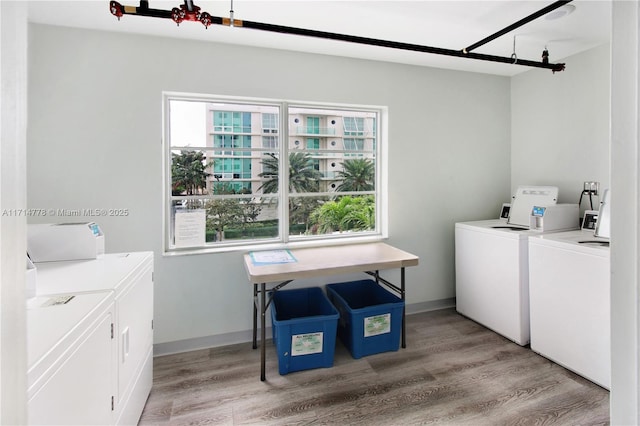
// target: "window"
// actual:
[[230, 183], [313, 125], [232, 121], [269, 123], [270, 142], [353, 126], [314, 144], [355, 145]]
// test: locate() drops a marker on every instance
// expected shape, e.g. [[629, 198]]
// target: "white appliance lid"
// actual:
[[524, 200]]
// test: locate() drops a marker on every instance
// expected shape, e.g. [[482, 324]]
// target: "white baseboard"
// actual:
[[433, 305]]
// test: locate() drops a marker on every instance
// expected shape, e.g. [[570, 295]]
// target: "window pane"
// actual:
[[300, 212], [187, 123], [322, 163], [339, 215], [269, 175], [356, 174], [237, 129], [313, 125], [225, 220], [242, 218], [190, 172], [269, 123], [270, 142]]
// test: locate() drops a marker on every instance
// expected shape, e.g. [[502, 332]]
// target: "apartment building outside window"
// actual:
[[353, 126], [244, 173], [270, 142], [269, 123]]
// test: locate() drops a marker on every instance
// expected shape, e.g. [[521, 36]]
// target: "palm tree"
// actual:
[[270, 167], [189, 173], [303, 177], [357, 175], [345, 214], [362, 214]]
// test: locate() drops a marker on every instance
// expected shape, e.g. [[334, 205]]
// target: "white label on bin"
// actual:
[[379, 324], [306, 344]]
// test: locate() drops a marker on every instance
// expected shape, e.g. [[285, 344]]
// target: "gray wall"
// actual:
[[94, 141], [625, 214], [560, 125]]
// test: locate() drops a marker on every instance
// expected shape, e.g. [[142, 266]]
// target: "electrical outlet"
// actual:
[[591, 187]]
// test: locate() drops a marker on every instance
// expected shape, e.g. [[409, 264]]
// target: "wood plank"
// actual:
[[453, 372]]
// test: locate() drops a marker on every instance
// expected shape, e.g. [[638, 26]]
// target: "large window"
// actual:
[[243, 173]]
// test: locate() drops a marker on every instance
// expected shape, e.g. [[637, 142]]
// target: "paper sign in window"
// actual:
[[190, 228]]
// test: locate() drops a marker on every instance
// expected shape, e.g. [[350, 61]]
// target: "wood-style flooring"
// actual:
[[453, 372]]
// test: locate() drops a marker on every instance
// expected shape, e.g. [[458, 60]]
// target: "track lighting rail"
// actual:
[[119, 10], [518, 24]]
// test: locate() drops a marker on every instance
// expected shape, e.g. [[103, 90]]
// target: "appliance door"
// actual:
[[570, 313], [492, 281]]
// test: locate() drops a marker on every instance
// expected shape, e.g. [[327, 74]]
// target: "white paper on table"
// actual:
[[270, 257]]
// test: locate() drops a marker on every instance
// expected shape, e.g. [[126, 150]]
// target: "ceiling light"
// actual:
[[560, 12]]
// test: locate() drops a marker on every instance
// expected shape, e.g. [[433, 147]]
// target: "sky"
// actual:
[[187, 126]]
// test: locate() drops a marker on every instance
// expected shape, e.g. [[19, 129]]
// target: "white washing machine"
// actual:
[[569, 284], [492, 276], [491, 257]]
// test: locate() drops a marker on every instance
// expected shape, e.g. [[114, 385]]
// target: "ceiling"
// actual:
[[449, 24]]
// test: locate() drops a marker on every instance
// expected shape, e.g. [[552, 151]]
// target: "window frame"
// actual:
[[284, 240]]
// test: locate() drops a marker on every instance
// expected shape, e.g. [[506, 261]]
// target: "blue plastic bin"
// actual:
[[370, 317], [304, 326]]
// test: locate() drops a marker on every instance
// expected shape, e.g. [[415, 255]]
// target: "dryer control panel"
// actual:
[[555, 217]]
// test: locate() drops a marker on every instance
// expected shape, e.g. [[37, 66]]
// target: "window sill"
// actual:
[[274, 246]]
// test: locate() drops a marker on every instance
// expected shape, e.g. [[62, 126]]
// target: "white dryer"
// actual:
[[491, 261], [129, 278], [569, 286], [70, 355]]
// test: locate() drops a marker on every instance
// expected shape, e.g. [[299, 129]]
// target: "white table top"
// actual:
[[319, 261]]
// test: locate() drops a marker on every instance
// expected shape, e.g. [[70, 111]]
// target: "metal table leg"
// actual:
[[263, 349], [400, 290], [404, 340], [255, 316]]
